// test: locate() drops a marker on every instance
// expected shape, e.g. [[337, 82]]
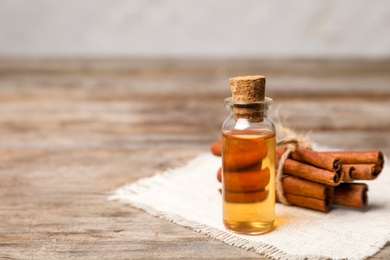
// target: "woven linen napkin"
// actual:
[[189, 196]]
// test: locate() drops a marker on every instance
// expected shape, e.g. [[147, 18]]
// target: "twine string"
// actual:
[[291, 146]]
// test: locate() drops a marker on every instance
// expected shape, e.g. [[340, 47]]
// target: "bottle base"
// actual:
[[250, 228]]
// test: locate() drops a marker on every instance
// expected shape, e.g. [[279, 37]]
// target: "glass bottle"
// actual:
[[248, 163]]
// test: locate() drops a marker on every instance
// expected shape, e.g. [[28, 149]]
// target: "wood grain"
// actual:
[[74, 130]]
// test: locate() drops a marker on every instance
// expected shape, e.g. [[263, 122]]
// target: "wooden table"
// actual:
[[72, 131]]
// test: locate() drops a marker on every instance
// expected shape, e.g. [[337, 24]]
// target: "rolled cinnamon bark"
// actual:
[[216, 148], [219, 174], [251, 179], [307, 202], [306, 170], [347, 170], [352, 157], [243, 154], [311, 173], [351, 195], [361, 157], [320, 160], [245, 197], [301, 187], [363, 171]]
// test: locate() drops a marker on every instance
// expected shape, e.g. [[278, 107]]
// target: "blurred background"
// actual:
[[324, 61], [114, 67], [195, 29]]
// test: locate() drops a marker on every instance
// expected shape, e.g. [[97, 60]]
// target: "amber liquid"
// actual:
[[248, 161]]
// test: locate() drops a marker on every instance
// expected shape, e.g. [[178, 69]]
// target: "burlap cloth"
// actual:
[[189, 196]]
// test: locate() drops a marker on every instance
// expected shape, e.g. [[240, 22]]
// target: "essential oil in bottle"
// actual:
[[248, 159]]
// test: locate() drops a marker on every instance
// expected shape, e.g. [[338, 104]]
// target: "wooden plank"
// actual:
[[331, 114], [285, 78]]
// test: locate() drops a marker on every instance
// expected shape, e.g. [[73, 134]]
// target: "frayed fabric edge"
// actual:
[[121, 195], [225, 237]]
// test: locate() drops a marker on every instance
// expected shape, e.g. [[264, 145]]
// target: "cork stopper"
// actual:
[[248, 89]]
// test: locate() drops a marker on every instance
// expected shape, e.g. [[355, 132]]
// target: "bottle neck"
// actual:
[[252, 111]]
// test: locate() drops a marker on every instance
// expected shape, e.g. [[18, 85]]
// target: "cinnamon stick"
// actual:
[[219, 174], [352, 157], [351, 195], [247, 154], [361, 157], [301, 187], [363, 171], [311, 173], [245, 197], [252, 179], [216, 148], [347, 170], [307, 202], [320, 160]]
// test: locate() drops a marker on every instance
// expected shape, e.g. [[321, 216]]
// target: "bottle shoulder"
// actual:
[[244, 124]]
